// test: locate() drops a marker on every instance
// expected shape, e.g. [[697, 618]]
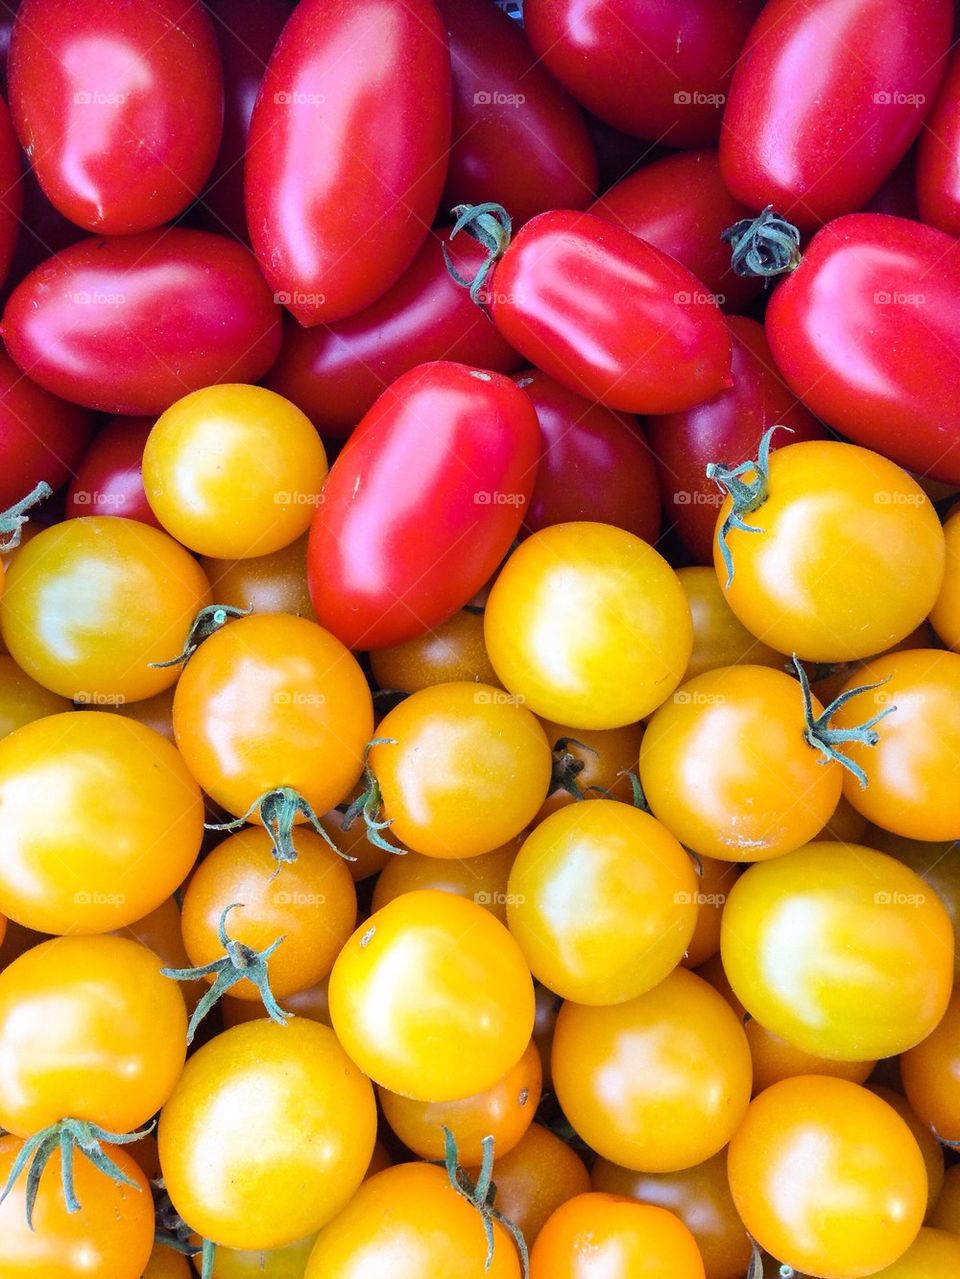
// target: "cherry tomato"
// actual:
[[848, 560], [483, 879], [589, 625], [930, 1073], [90, 603], [119, 108], [200, 483], [594, 1235], [595, 464], [912, 771], [758, 788], [11, 191], [934, 1254], [719, 637], [160, 931], [431, 997], [937, 863], [153, 712], [822, 109], [88, 801], [689, 229], [368, 857], [842, 951], [930, 1147], [312, 1003], [849, 1208], [109, 479], [946, 1213], [274, 583], [658, 1083], [389, 560], [111, 1238], [880, 358], [410, 1223], [277, 1263], [602, 902], [336, 372], [592, 762], [659, 72], [714, 881], [129, 325], [41, 437], [463, 769], [937, 172], [449, 652], [607, 315], [332, 234], [164, 1263], [700, 1197], [268, 702], [945, 614], [267, 1135], [516, 138], [725, 428], [22, 700]]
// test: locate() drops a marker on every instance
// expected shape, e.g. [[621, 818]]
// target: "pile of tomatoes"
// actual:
[[479, 639]]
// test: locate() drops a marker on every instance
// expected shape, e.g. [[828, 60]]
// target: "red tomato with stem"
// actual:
[[109, 476], [595, 463], [866, 331], [938, 155], [119, 107], [129, 325], [826, 100], [335, 372], [422, 504], [348, 79], [517, 137], [605, 314], [727, 427], [41, 436]]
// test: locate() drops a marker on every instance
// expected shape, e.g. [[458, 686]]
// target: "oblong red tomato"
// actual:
[[725, 429], [681, 206], [659, 71], [130, 324], [422, 503], [346, 155], [41, 436], [866, 331], [11, 190], [827, 98], [118, 106], [517, 137], [335, 372], [109, 477], [608, 315], [938, 155], [594, 465]]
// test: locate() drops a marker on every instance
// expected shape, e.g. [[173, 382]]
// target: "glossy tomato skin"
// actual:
[[595, 463], [827, 99], [518, 138], [594, 1235], [335, 372], [646, 204], [11, 190], [938, 167], [422, 503], [130, 324], [726, 428], [657, 71], [333, 235], [109, 476], [930, 1074], [657, 342], [536, 1177], [120, 107], [41, 436]]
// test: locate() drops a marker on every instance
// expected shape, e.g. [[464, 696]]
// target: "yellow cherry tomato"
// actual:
[[22, 699], [931, 1074], [719, 637], [483, 879], [945, 614], [934, 1254]]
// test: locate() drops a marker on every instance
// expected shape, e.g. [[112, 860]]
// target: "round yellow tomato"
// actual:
[[483, 879], [719, 637], [22, 699], [934, 1254], [931, 1074], [945, 614]]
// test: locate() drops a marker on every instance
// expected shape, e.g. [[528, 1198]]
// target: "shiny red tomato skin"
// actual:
[[517, 138], [246, 32], [11, 190], [938, 156], [725, 429], [680, 205], [866, 331], [348, 79], [655, 339], [41, 436], [827, 98], [335, 372], [422, 504], [119, 106], [595, 464], [130, 324], [659, 71], [109, 477]]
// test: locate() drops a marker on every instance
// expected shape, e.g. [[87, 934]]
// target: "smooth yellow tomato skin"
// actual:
[[934, 1254], [482, 879], [719, 637], [945, 614], [22, 699], [931, 1074]]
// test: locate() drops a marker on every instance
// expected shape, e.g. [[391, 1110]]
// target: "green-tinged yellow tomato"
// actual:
[[22, 699], [234, 471], [719, 637], [91, 603], [827, 1177], [602, 901], [267, 1135], [841, 950], [589, 625], [432, 998], [658, 1083]]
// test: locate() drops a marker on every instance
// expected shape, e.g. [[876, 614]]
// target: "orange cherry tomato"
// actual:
[[931, 1074], [588, 758], [274, 583], [483, 879], [452, 652]]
